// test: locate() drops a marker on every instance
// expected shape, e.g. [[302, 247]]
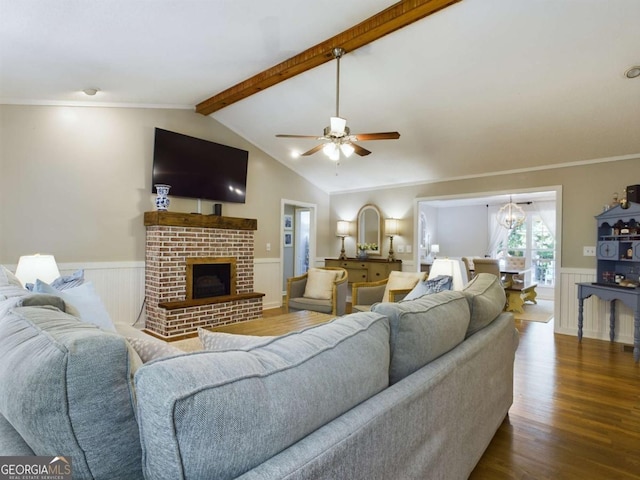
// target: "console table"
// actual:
[[369, 270], [628, 296]]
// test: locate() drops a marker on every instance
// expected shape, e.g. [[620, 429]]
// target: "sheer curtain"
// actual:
[[547, 212], [497, 233]]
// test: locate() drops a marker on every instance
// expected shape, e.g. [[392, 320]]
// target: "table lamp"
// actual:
[[32, 267], [391, 228], [342, 230]]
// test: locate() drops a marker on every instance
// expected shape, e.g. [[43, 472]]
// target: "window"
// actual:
[[534, 241]]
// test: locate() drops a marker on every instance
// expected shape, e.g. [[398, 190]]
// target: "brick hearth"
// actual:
[[172, 238]]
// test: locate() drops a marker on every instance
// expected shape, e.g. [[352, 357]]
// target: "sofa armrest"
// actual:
[[368, 293], [340, 292], [295, 288], [399, 294]]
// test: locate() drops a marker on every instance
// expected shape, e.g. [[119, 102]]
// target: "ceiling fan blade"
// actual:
[[313, 150], [376, 136], [360, 150], [297, 136]]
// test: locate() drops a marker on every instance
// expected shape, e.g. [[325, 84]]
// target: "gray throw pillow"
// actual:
[[426, 287]]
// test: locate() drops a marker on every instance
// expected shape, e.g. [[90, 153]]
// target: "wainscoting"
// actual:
[[121, 287], [596, 311]]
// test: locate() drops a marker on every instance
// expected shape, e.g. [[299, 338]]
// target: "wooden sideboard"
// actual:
[[369, 270]]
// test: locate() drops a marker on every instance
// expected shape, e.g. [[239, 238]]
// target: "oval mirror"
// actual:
[[370, 228]]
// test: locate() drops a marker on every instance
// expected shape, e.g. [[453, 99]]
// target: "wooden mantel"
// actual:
[[177, 219]]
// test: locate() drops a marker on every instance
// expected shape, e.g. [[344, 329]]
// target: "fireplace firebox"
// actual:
[[210, 277]]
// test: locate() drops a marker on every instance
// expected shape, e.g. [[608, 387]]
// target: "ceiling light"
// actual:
[[91, 91], [511, 215], [633, 72], [347, 149]]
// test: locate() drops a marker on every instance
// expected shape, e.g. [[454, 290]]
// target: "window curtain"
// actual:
[[547, 213], [497, 233]]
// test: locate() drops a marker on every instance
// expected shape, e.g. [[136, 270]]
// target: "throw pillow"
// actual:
[[149, 350], [426, 287], [7, 278], [42, 300], [65, 282], [82, 302], [401, 281], [215, 341], [320, 283]]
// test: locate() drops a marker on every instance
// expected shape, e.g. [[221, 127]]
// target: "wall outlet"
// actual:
[[268, 247], [400, 248], [408, 248], [589, 251]]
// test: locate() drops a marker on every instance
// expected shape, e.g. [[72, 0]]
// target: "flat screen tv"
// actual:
[[197, 168]]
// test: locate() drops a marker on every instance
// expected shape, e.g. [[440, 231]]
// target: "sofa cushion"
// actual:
[[65, 388], [486, 298], [302, 303], [219, 414], [423, 329], [8, 278], [320, 283]]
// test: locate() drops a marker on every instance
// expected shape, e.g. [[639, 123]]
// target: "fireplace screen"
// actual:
[[210, 277]]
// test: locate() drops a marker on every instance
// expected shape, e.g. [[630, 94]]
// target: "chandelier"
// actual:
[[511, 215]]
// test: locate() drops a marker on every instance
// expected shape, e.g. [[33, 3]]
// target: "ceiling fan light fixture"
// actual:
[[329, 149], [338, 125], [347, 149]]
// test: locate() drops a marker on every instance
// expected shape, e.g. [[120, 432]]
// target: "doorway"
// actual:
[[297, 245], [450, 221]]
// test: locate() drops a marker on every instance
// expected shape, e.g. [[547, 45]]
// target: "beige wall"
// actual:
[[585, 189], [75, 181]]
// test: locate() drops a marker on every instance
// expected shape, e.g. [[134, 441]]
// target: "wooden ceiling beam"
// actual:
[[382, 23]]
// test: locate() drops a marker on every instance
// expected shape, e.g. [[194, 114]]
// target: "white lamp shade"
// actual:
[[453, 268], [342, 229], [391, 226], [32, 267]]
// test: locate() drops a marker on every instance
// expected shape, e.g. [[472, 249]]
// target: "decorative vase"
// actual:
[[162, 201], [362, 254]]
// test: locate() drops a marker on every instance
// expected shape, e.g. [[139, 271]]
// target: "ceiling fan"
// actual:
[[337, 136]]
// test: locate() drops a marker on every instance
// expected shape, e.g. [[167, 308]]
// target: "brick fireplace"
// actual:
[[199, 272]]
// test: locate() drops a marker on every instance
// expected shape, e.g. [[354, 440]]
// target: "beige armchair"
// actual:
[[322, 289], [391, 289]]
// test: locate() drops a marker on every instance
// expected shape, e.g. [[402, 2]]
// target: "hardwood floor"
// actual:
[[576, 412]]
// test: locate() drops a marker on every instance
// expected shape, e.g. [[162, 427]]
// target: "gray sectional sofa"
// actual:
[[410, 390]]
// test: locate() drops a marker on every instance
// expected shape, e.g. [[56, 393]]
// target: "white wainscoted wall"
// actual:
[[121, 287], [596, 311]]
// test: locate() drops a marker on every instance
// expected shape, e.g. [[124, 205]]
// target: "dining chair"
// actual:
[[489, 265]]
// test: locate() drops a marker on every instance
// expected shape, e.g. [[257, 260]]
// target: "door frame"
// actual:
[[312, 207]]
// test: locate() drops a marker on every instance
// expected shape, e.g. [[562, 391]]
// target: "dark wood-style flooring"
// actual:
[[575, 415]]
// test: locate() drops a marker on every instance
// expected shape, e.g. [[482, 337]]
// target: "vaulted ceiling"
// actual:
[[480, 87]]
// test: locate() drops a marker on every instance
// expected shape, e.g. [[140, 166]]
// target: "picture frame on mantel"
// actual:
[[288, 222], [288, 239]]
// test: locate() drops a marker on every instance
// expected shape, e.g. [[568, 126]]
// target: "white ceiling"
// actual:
[[483, 86]]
